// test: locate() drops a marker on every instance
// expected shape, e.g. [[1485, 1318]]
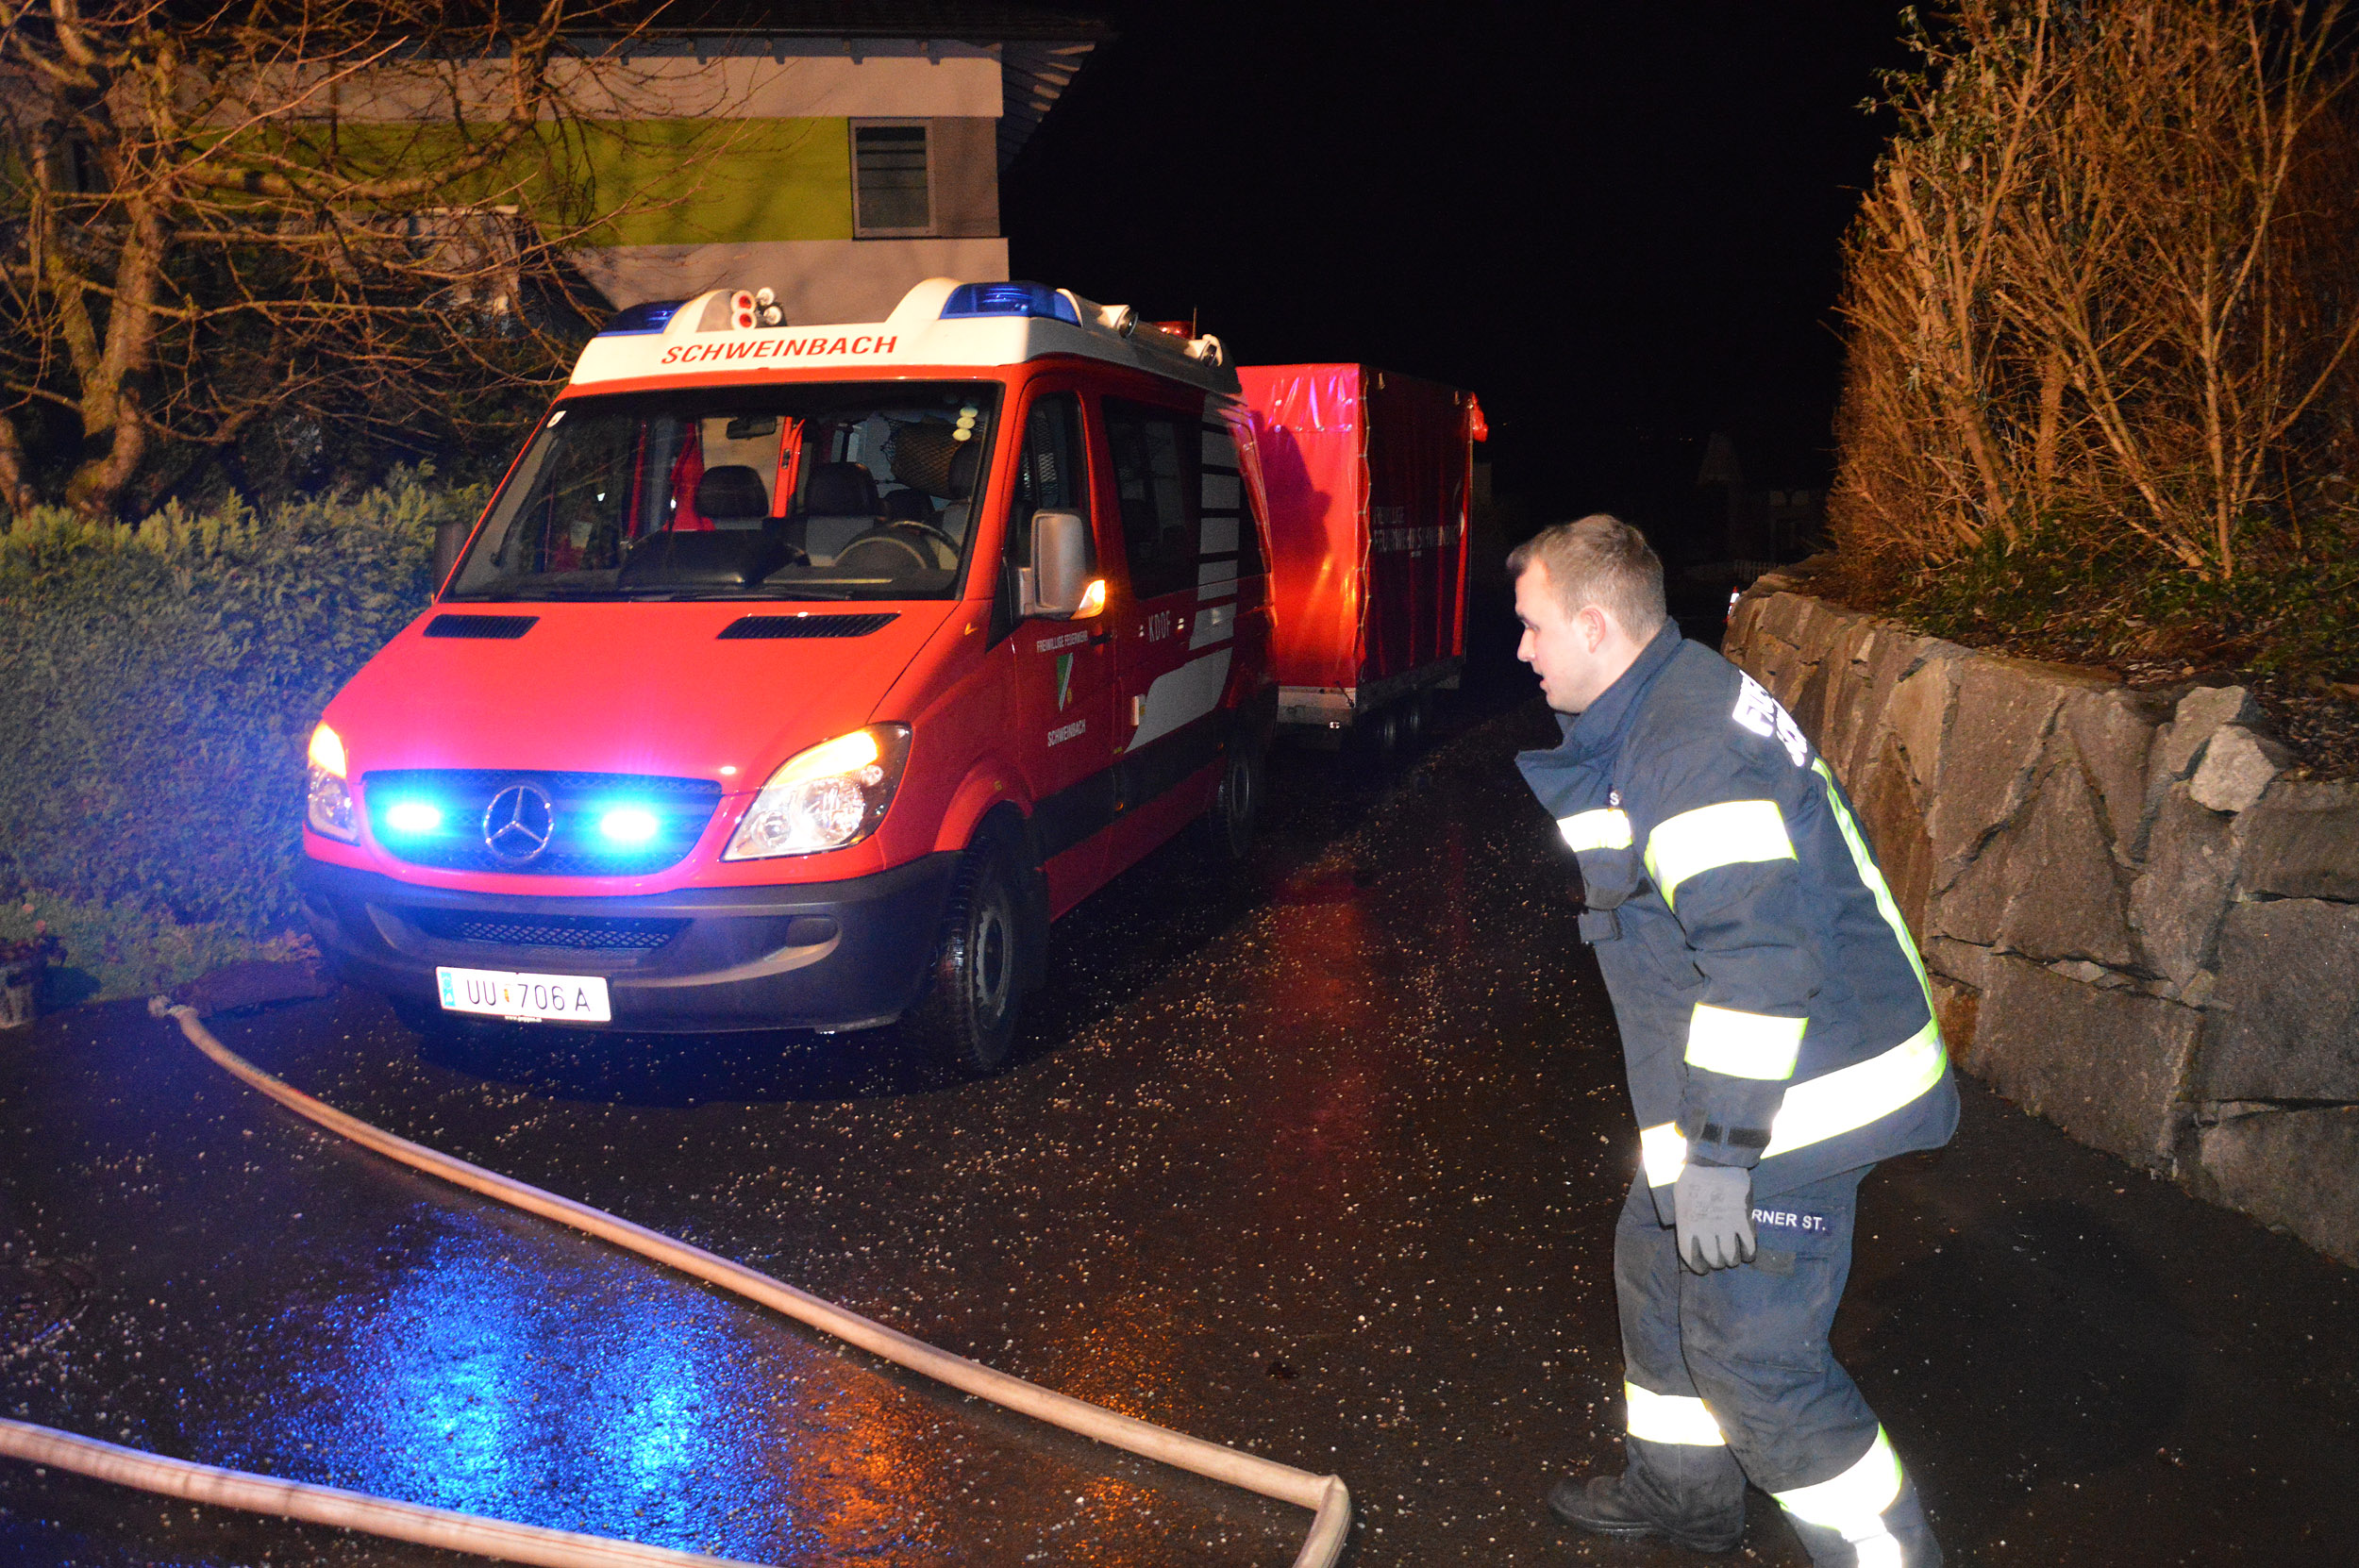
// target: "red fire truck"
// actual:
[[799, 676]]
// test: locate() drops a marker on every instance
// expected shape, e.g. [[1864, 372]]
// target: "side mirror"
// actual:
[[1058, 584]]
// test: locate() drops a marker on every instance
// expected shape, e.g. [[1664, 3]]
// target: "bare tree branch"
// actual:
[[2085, 280], [213, 218]]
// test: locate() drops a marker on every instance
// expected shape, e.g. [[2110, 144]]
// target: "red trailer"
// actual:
[[1368, 475]]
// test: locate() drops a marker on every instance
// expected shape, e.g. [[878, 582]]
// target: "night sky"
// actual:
[[1617, 224]]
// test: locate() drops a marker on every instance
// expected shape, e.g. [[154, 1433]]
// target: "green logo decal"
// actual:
[[1065, 681]]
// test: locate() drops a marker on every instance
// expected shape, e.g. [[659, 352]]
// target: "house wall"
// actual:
[[816, 280], [772, 207], [965, 178], [707, 182], [775, 209], [732, 164], [719, 79]]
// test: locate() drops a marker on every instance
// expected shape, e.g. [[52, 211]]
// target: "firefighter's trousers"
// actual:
[[1730, 1380]]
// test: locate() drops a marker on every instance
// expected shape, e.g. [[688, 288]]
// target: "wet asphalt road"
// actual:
[[1323, 1163]]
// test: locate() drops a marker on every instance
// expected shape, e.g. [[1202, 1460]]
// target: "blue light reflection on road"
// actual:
[[588, 1391]]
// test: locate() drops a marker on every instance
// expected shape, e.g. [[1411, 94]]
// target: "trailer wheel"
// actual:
[[966, 1023], [1413, 721], [1227, 825]]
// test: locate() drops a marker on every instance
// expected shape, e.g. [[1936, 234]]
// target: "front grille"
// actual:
[[581, 933], [498, 629], [578, 802], [775, 627]]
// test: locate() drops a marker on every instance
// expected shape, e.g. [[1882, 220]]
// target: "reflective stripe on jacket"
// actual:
[[1773, 1010]]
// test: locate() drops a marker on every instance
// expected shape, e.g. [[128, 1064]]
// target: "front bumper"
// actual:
[[816, 954]]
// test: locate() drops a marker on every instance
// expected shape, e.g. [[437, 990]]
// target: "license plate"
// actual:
[[539, 998]]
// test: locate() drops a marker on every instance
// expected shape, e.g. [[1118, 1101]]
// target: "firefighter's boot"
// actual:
[[1616, 1505]]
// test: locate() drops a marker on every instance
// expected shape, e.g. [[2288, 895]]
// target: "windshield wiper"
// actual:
[[656, 593], [532, 591]]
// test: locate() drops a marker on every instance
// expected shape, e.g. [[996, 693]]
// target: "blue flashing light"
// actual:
[[652, 316], [413, 816], [629, 825], [1010, 299]]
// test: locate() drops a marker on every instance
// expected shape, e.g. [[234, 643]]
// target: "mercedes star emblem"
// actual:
[[518, 824]]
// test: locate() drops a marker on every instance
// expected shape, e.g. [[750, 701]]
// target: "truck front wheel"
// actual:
[[1228, 824], [966, 1020]]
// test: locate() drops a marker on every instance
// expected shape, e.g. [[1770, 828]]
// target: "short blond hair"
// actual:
[[1599, 559]]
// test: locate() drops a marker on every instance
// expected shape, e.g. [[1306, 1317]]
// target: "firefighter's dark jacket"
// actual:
[[1773, 1010]]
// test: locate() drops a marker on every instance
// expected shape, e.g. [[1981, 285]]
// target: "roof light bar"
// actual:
[[1010, 299], [651, 316]]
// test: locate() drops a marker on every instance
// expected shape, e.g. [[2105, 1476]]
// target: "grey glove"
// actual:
[[1712, 1206]]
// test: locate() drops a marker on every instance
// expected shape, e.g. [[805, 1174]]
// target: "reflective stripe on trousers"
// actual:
[[1853, 1503], [1671, 1418]]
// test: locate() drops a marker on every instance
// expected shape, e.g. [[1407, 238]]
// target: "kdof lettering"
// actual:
[[1066, 732]]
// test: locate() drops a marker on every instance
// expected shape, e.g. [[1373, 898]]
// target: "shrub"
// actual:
[[2284, 614], [105, 952], [2103, 292], [162, 680]]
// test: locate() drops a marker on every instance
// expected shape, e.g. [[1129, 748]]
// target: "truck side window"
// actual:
[[1054, 474], [1158, 462], [1224, 475]]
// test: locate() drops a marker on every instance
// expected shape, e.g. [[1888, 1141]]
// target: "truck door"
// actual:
[[1174, 631], [1064, 669]]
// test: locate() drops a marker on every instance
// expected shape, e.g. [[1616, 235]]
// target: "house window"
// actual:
[[891, 192]]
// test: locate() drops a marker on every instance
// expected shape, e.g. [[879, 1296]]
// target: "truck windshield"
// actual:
[[809, 491]]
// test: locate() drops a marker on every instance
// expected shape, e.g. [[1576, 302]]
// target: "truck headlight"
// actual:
[[327, 801], [830, 796]]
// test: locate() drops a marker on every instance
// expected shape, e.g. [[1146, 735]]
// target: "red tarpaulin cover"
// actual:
[[1367, 477]]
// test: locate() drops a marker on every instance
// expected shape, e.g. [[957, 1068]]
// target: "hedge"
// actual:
[[158, 682]]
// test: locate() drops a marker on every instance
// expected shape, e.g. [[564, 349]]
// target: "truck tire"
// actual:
[[1226, 827], [966, 1023]]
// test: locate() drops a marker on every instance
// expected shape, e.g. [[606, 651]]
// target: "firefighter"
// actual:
[[1778, 1037]]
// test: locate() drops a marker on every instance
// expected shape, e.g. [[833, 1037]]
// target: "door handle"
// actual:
[[1098, 639]]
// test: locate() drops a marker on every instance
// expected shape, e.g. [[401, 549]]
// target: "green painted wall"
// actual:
[[699, 181], [679, 182]]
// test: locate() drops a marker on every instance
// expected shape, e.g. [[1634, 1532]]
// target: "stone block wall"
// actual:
[[2136, 926]]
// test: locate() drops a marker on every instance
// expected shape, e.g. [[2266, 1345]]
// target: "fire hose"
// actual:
[[1325, 1495]]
